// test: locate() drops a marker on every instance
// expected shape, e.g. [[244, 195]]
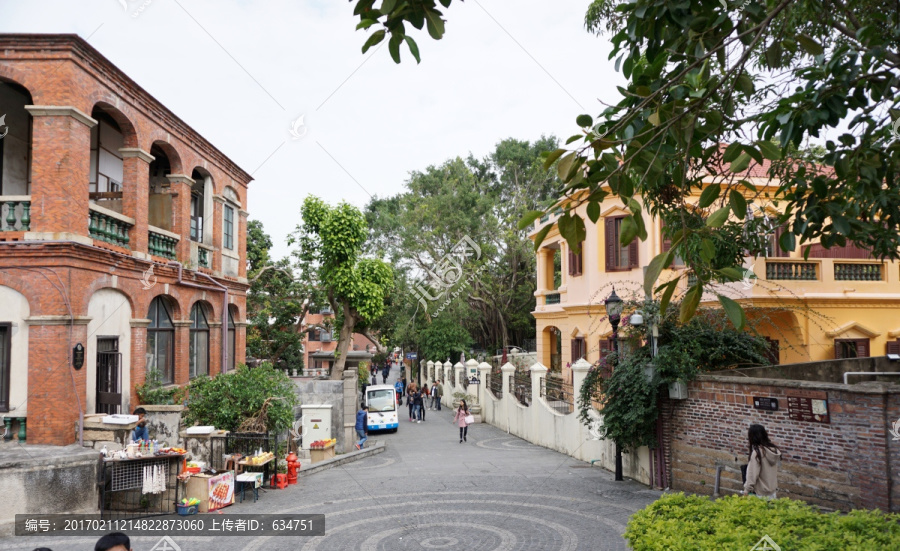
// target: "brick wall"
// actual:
[[848, 463]]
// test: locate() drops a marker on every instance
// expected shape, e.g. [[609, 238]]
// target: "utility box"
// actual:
[[316, 423]]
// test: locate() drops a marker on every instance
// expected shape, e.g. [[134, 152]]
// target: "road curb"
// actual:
[[341, 459]]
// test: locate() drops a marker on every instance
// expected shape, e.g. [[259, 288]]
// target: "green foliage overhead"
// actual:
[[389, 19], [762, 78], [676, 522], [444, 338], [228, 399]]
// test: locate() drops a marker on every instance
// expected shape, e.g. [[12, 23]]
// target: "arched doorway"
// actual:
[[108, 352]]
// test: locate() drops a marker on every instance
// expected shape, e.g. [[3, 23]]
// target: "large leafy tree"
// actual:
[[763, 77], [476, 199], [282, 293], [331, 239]]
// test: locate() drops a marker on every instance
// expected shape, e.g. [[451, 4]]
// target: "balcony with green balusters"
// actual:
[[551, 298], [792, 271], [109, 229], [15, 213], [159, 244], [857, 272], [204, 257]]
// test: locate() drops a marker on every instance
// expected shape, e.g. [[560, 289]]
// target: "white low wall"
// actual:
[[539, 423]]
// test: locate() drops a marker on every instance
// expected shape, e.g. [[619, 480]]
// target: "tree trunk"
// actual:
[[346, 336]]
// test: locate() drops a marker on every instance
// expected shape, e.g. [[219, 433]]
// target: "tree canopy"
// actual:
[[714, 90]]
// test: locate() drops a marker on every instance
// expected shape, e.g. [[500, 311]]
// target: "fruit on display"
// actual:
[[322, 444], [261, 459], [189, 502]]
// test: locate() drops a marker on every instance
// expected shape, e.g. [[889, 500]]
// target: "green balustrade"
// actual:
[[108, 229], [792, 271], [203, 257], [551, 298], [857, 272], [18, 216], [161, 245]]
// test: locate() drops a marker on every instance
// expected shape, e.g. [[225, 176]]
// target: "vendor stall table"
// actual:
[[139, 487]]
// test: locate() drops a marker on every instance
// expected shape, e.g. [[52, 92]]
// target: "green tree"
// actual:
[[704, 73], [281, 295], [331, 240]]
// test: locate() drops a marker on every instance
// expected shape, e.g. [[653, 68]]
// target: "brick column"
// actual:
[[180, 189], [138, 356], [215, 348], [136, 194], [55, 388], [182, 371], [61, 147], [240, 344]]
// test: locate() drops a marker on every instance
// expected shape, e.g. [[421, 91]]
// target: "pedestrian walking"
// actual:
[[384, 373], [398, 390], [433, 395], [762, 467], [462, 414], [438, 394], [362, 425], [410, 401], [417, 405], [425, 398]]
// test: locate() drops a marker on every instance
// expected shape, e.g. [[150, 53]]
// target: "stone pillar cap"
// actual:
[[508, 367], [539, 367], [581, 365]]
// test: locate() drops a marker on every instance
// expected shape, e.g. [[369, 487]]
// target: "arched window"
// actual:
[[199, 344], [231, 347], [161, 340]]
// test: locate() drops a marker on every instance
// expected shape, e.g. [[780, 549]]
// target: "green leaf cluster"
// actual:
[[678, 522], [390, 19], [228, 399]]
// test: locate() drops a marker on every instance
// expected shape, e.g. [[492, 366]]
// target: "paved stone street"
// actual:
[[428, 491]]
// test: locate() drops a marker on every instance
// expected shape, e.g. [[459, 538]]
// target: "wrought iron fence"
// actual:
[[246, 444], [453, 377], [495, 383], [522, 386], [558, 394]]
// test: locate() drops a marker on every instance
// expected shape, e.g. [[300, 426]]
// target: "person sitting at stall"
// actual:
[[140, 431]]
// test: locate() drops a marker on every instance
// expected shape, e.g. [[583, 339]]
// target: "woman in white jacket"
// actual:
[[762, 469]]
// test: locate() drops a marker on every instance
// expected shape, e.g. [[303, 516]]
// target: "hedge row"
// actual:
[[680, 522]]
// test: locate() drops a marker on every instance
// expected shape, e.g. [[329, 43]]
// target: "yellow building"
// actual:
[[838, 303]]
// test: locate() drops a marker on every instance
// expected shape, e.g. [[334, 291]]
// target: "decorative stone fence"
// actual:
[[543, 422]]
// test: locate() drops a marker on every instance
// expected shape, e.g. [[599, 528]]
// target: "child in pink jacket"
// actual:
[[460, 419]]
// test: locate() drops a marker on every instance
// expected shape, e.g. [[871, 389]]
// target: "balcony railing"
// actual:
[[15, 212], [551, 298], [522, 386], [558, 394], [857, 272], [108, 226], [792, 271], [204, 257], [160, 244]]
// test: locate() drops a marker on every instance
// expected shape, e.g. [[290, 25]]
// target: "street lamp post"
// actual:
[[614, 306]]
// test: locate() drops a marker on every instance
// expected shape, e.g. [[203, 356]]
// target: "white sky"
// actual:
[[240, 73]]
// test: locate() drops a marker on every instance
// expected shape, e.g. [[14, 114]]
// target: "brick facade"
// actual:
[[850, 463], [78, 286]]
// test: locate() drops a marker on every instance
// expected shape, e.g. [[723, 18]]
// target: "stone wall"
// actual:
[[848, 463], [47, 479], [826, 371], [164, 423]]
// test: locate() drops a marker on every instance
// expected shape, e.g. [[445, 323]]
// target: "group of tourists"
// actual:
[[418, 398], [385, 371]]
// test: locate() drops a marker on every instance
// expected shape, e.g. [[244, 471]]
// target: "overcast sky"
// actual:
[[242, 72]]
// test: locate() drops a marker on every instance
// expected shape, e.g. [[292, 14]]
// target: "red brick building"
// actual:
[[319, 345], [121, 230]]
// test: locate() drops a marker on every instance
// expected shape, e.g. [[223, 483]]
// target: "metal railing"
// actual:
[[204, 257], [792, 271], [551, 298], [857, 272], [558, 394], [495, 383], [522, 386]]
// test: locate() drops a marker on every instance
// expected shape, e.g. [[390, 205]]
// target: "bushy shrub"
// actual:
[[679, 522], [226, 400], [153, 392]]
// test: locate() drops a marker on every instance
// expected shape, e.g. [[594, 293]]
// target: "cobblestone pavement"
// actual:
[[428, 491]]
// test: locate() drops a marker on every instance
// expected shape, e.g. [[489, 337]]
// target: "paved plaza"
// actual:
[[428, 491]]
